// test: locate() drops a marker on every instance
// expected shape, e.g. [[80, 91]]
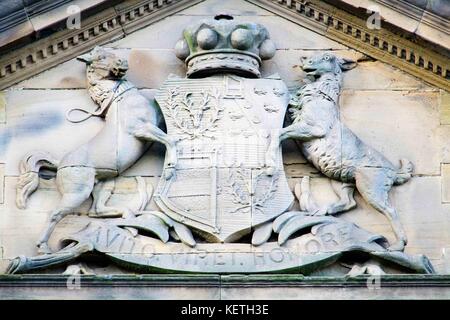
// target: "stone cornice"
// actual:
[[214, 286], [384, 45], [106, 26], [405, 16]]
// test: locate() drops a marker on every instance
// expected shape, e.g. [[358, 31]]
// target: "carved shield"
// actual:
[[223, 124]]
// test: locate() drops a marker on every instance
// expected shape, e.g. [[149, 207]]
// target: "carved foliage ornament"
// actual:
[[223, 179]]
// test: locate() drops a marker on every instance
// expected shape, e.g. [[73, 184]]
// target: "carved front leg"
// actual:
[[150, 132], [299, 131], [272, 152]]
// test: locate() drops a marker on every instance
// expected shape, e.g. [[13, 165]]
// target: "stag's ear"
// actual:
[[347, 64], [303, 59]]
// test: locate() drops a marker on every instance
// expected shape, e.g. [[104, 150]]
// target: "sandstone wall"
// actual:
[[399, 115]]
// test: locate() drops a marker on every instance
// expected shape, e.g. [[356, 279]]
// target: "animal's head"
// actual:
[[323, 63], [105, 64]]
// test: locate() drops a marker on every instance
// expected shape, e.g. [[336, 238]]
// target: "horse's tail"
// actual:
[[29, 168], [404, 173]]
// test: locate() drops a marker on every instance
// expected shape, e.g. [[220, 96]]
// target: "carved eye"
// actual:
[[326, 58]]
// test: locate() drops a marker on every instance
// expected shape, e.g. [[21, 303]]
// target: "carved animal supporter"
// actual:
[[131, 124], [224, 199], [334, 149]]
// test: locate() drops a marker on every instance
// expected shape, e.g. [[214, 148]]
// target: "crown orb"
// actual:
[[241, 39], [182, 50], [207, 39], [267, 49]]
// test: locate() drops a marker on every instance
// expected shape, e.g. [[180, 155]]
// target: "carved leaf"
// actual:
[[283, 219], [148, 223], [298, 223], [184, 234], [262, 233]]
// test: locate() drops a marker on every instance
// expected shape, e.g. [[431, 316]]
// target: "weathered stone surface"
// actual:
[[2, 183], [157, 37], [442, 134], [232, 7], [444, 107], [38, 117], [425, 31], [68, 75], [145, 67], [145, 71], [425, 221], [377, 116], [13, 34], [368, 75], [2, 107], [445, 171], [313, 293], [393, 112], [159, 290], [62, 13]]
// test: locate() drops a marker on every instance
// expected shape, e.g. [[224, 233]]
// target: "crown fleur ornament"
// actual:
[[224, 45]]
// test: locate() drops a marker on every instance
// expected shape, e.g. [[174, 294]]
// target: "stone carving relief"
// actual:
[[224, 202], [334, 149]]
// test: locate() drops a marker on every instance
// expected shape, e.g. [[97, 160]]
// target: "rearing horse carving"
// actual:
[[131, 124]]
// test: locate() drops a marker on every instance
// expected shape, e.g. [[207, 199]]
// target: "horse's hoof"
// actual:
[[43, 248], [398, 246], [127, 214]]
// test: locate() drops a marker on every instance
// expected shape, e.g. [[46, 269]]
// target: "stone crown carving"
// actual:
[[224, 45]]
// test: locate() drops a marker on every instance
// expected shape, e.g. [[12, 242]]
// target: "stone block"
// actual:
[[368, 75], [399, 124], [444, 107], [148, 68], [445, 170], [165, 33], [2, 182], [38, 117], [2, 107], [67, 75], [432, 33], [231, 7]]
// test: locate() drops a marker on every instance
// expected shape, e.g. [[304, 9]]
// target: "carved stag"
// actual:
[[334, 149], [131, 124]]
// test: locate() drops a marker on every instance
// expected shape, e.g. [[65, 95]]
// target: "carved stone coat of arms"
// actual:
[[224, 202], [223, 124]]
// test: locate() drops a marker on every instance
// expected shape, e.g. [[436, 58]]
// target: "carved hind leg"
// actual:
[[101, 194], [345, 192], [153, 133], [75, 185], [374, 184]]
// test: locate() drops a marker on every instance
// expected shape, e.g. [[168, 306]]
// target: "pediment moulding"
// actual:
[[352, 31], [411, 56]]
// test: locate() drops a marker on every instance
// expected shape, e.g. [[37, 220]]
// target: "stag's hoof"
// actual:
[[43, 248], [169, 173], [398, 246]]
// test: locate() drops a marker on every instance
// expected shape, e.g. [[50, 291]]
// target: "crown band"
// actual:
[[228, 60]]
